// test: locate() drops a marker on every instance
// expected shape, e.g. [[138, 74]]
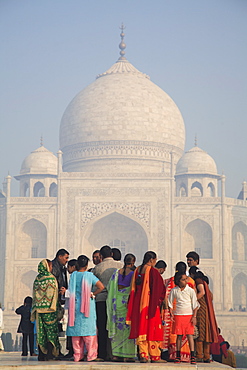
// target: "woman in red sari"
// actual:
[[169, 339], [143, 315]]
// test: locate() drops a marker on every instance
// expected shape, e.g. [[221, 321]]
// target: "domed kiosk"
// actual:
[[122, 122], [40, 161], [196, 161], [38, 174], [196, 174]]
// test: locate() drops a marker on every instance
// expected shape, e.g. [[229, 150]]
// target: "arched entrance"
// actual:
[[32, 240], [198, 237], [116, 230]]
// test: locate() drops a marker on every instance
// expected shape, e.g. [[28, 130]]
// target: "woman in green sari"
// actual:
[[123, 348], [44, 311]]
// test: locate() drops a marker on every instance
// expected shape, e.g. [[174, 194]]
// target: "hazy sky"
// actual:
[[194, 50]]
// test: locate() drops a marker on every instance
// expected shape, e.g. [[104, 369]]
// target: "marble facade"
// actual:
[[122, 178]]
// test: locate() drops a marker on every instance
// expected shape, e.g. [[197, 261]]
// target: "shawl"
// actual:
[[45, 290], [111, 304], [152, 293], [118, 330], [115, 298], [220, 347], [210, 309], [86, 285]]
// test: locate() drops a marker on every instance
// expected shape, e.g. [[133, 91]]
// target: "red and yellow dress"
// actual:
[[143, 313]]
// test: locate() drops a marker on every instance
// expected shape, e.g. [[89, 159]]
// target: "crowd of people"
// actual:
[[120, 312]]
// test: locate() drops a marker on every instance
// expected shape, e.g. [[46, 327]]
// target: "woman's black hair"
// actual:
[[116, 254], [146, 258], [198, 274], [181, 267], [193, 270], [161, 264], [82, 261], [128, 258]]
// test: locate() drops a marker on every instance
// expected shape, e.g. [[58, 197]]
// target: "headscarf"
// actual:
[[45, 290]]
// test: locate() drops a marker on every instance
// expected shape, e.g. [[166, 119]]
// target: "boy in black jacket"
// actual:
[[26, 327]]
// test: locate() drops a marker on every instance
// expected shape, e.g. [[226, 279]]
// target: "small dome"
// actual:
[[196, 161], [40, 161]]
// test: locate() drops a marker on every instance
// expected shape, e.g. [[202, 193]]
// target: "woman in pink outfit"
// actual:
[[82, 312]]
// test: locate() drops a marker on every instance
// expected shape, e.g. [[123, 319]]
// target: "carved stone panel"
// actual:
[[138, 210], [23, 217], [238, 270]]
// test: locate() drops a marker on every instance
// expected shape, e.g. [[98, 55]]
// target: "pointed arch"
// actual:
[[198, 237], [239, 242], [24, 285], [183, 190], [53, 190], [26, 190], [116, 228], [32, 240], [196, 189], [211, 190], [239, 288], [38, 189]]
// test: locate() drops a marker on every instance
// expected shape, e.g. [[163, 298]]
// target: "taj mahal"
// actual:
[[121, 177]]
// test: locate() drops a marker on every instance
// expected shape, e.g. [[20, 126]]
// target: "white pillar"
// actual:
[[8, 266], [173, 250], [225, 253], [59, 170]]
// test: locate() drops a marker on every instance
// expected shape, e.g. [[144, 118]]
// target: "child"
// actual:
[[26, 327], [184, 316]]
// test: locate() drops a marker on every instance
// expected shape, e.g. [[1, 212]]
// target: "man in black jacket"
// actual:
[[60, 272]]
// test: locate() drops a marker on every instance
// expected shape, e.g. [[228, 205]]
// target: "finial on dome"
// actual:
[[41, 141], [195, 139], [122, 44]]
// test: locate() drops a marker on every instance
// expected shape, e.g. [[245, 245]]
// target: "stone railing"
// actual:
[[36, 200]]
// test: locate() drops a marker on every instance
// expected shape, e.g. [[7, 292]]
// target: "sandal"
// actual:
[[177, 360], [144, 360], [193, 360], [129, 359]]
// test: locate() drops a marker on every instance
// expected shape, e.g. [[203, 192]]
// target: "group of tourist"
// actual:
[[117, 312]]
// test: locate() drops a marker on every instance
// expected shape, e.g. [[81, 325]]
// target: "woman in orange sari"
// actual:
[[143, 315], [169, 339]]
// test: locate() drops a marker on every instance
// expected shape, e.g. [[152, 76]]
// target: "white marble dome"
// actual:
[[196, 161], [40, 161], [122, 114]]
